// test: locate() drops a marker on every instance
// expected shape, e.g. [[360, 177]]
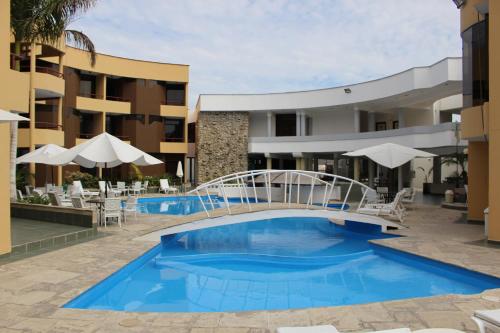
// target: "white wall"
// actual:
[[258, 124], [332, 122]]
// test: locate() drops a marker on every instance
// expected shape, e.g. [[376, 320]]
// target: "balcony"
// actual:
[[109, 105], [83, 137], [475, 122], [44, 133], [173, 147], [49, 82], [174, 111], [436, 136]]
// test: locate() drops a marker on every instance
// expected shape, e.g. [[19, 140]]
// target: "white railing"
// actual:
[[290, 187]]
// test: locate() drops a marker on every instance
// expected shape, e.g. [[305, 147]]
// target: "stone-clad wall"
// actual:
[[221, 144]]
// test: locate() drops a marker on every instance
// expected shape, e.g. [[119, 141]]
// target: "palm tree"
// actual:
[[45, 21]]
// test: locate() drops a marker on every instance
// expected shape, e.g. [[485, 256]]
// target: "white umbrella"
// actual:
[[6, 116], [180, 172], [390, 155], [42, 155], [104, 151]]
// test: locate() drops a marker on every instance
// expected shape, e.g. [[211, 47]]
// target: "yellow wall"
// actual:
[[494, 121], [127, 67], [102, 105], [4, 128], [478, 180], [475, 126], [174, 147], [469, 15]]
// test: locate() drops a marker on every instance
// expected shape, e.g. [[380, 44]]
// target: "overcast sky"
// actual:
[[252, 46]]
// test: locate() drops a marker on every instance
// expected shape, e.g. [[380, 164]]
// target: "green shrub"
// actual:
[[88, 180], [37, 200], [23, 177]]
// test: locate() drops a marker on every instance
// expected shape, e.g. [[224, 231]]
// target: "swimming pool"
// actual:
[[280, 263], [186, 205]]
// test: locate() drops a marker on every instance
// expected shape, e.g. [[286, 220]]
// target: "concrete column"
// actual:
[[371, 173], [401, 118], [298, 121], [357, 120], [315, 164], [371, 121], [269, 163], [435, 114], [400, 178], [436, 170], [269, 124], [357, 168], [335, 164], [32, 106], [300, 163], [477, 200], [303, 123]]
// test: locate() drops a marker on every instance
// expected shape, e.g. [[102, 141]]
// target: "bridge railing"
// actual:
[[282, 186]]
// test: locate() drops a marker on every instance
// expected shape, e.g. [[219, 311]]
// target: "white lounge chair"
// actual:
[[409, 195], [102, 188], [395, 209], [122, 187], [145, 186], [112, 209], [165, 187], [55, 200], [487, 319], [77, 189]]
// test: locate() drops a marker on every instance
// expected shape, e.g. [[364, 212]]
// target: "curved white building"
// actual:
[[310, 129]]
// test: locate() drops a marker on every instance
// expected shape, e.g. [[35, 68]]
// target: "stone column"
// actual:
[[269, 163]]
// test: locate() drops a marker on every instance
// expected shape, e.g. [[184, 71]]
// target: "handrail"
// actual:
[[42, 125], [104, 98], [292, 178], [45, 70]]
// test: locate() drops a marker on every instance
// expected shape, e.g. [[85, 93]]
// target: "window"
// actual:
[[475, 64], [176, 94], [381, 126], [286, 124], [192, 132], [174, 130], [395, 124], [87, 85], [308, 126]]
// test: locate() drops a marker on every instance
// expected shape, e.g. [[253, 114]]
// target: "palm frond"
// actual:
[[81, 41]]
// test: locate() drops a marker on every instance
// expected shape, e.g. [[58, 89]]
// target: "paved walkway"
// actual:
[[25, 231], [33, 290]]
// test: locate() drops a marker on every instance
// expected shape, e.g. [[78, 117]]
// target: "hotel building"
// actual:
[[480, 20], [309, 130], [143, 103]]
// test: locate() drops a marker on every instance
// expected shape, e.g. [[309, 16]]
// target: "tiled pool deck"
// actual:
[[32, 290]]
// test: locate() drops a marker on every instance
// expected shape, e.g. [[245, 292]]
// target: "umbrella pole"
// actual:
[[105, 182]]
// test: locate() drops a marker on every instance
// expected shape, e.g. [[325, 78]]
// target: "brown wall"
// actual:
[[478, 180]]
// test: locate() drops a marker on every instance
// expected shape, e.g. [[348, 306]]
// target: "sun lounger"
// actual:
[[165, 186], [487, 319], [395, 209]]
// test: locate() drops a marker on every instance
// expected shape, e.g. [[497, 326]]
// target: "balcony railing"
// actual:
[[41, 125], [45, 70], [108, 98], [91, 135], [173, 140]]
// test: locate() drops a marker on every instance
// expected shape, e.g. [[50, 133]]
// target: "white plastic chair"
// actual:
[[112, 209], [55, 200], [136, 189], [102, 188], [409, 195], [122, 187], [487, 319], [130, 207]]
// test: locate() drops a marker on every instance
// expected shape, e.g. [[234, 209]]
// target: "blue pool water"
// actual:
[[185, 205], [280, 263]]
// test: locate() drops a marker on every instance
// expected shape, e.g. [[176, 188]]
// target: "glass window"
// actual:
[[174, 130], [176, 94], [286, 124], [475, 64]]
